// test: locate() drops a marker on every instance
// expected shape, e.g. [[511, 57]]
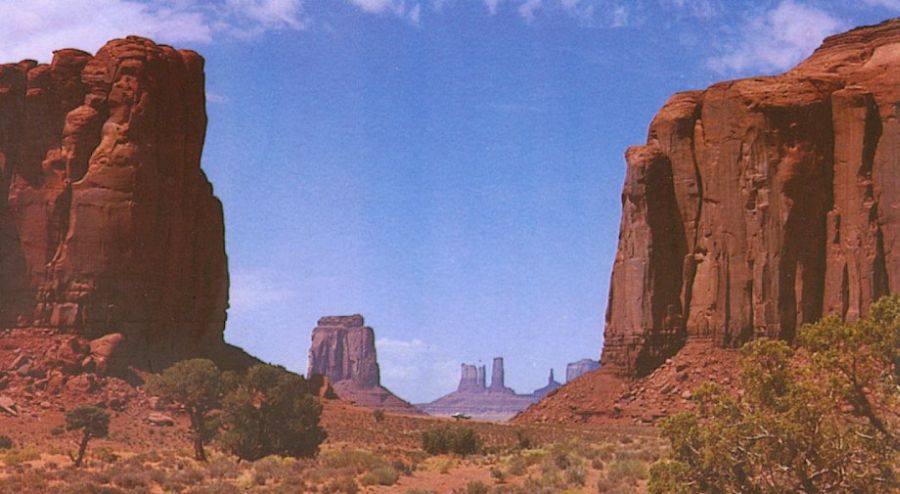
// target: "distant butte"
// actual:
[[343, 350], [485, 402]]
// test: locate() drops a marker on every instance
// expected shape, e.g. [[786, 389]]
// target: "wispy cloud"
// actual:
[[35, 28], [410, 11], [414, 369], [777, 39], [254, 290]]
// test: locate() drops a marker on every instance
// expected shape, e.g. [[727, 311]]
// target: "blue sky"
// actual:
[[449, 169]]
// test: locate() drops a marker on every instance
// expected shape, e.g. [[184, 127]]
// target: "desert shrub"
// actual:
[[608, 486], [345, 485], [6, 442], [217, 487], [384, 475], [627, 471], [86, 488], [477, 487], [821, 423], [222, 468], [270, 411], [446, 439], [196, 384], [19, 456], [28, 482], [516, 465], [576, 475], [57, 430], [358, 461], [378, 415], [523, 440], [419, 491], [130, 478]]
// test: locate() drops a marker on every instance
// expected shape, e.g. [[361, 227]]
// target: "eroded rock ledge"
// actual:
[[761, 204], [107, 222]]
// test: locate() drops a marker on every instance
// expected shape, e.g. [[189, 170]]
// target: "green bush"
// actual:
[[92, 422], [477, 487], [6, 442], [271, 412], [446, 439], [820, 423]]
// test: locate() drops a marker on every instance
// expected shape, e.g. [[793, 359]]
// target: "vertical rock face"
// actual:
[[498, 377], [343, 351], [583, 366], [761, 204], [107, 222]]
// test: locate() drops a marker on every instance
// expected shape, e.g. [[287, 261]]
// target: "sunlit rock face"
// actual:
[[107, 222], [343, 351], [761, 204]]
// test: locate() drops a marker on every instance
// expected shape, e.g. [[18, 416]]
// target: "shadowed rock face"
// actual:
[[107, 222], [761, 204]]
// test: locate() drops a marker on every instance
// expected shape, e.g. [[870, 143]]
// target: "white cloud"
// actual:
[[411, 11], [254, 290], [777, 39], [492, 5], [35, 28], [527, 9], [703, 9]]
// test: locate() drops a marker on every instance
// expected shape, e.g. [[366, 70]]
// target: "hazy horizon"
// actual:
[[451, 170]]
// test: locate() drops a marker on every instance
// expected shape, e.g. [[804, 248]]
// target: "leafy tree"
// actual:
[[823, 420], [196, 384], [92, 421], [271, 411]]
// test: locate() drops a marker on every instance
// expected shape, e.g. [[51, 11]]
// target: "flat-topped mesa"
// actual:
[[343, 351], [107, 222], [575, 370], [761, 204]]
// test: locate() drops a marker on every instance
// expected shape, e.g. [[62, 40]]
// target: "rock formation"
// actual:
[[471, 379], [552, 385], [107, 222], [343, 351], [761, 204], [473, 398], [583, 366]]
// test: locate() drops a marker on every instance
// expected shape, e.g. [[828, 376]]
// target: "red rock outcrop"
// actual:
[[761, 204], [343, 351], [107, 222]]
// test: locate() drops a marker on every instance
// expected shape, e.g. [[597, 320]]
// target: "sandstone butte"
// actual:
[[108, 224], [343, 352], [755, 206]]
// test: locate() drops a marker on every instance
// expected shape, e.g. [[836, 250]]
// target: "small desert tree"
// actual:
[[92, 422], [197, 385], [271, 411], [823, 422]]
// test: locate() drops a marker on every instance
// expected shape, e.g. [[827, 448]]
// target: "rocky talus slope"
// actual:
[[107, 222], [758, 205]]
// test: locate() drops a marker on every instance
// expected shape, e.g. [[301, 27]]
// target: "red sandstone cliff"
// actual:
[[761, 204], [107, 222]]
